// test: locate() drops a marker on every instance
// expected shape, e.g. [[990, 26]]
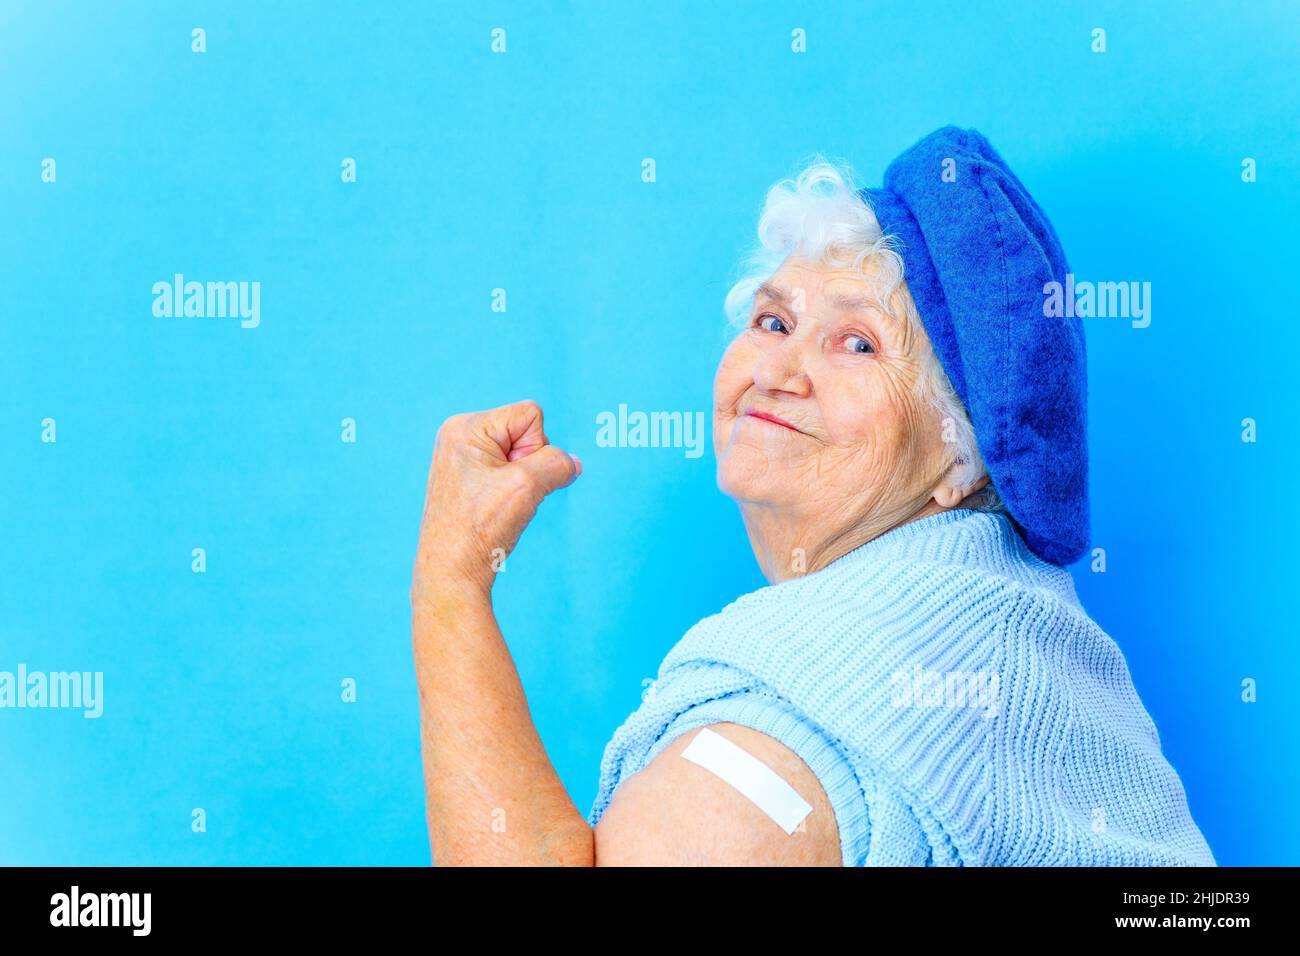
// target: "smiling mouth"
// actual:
[[754, 413]]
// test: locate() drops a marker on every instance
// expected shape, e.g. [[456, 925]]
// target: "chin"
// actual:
[[743, 478]]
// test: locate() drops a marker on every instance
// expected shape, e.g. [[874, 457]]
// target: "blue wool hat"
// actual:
[[977, 253]]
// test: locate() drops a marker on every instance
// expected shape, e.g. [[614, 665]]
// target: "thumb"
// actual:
[[550, 467]]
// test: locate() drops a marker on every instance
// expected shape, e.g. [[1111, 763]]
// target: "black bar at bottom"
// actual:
[[328, 905]]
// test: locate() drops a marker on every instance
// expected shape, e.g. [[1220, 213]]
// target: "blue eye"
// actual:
[[770, 323], [858, 344]]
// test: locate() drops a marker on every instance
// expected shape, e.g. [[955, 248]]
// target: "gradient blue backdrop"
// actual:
[[522, 171]]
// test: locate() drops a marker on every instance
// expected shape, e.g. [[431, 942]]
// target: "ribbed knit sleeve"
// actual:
[[779, 720]]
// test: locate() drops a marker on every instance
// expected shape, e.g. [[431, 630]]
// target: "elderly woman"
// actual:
[[903, 429]]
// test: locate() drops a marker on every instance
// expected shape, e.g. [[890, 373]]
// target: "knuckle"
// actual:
[[456, 425], [558, 459], [523, 482]]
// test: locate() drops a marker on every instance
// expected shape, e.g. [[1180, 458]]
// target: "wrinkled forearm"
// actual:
[[492, 795]]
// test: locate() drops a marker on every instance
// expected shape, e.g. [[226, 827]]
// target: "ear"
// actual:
[[950, 493]]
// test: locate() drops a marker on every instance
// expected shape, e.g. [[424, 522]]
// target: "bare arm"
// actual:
[[493, 796], [674, 813]]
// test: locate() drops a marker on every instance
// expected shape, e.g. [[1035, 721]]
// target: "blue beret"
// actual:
[[977, 252]]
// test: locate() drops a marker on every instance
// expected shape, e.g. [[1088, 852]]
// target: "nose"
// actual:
[[781, 370]]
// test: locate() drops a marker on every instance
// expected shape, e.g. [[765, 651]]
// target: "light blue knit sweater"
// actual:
[[956, 702]]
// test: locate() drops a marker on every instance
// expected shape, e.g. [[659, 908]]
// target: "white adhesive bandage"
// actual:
[[755, 780]]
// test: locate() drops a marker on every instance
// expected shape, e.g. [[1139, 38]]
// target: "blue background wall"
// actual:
[[522, 171]]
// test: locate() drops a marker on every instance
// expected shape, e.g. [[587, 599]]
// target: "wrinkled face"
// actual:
[[815, 408]]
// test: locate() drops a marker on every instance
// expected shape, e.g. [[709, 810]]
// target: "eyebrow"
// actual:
[[844, 301]]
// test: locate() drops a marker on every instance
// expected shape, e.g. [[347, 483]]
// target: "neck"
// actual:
[[790, 546]]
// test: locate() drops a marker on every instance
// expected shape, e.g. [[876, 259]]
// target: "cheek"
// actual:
[[876, 415], [734, 377], [855, 410], [735, 371], [722, 403]]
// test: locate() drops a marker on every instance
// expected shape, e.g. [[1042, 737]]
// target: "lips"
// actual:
[[769, 417]]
